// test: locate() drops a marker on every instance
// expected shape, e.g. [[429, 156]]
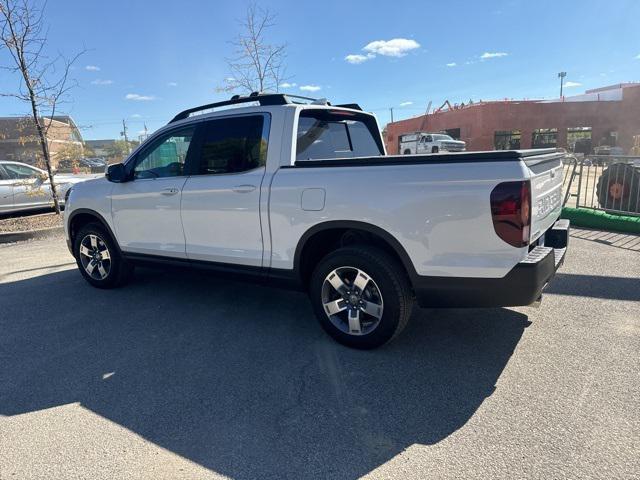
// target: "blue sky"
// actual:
[[148, 60]]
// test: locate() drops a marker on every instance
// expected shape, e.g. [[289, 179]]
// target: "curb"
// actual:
[[13, 237], [599, 220]]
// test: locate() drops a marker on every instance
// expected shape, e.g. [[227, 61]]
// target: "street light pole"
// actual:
[[561, 76]]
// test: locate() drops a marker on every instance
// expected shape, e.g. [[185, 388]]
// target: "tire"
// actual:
[[387, 293], [435, 149], [109, 269], [407, 152], [618, 188]]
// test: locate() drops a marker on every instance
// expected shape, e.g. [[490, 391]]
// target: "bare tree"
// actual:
[[257, 65], [44, 81]]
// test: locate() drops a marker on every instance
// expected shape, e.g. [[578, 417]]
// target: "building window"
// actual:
[[506, 140], [453, 133], [544, 138], [579, 139]]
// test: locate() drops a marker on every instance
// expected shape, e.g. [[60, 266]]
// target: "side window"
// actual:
[[166, 156], [3, 174], [428, 139], [233, 145], [324, 134], [20, 172]]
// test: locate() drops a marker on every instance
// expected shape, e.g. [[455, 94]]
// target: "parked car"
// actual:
[[24, 187], [303, 195], [422, 142], [94, 165]]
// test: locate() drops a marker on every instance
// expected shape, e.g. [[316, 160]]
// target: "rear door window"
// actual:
[[233, 145], [324, 134]]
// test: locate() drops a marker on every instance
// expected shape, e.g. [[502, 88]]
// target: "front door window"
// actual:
[[165, 157]]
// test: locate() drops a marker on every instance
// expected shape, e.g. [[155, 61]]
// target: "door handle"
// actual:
[[170, 191], [244, 188]]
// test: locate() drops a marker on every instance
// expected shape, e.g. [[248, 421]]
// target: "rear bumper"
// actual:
[[523, 285]]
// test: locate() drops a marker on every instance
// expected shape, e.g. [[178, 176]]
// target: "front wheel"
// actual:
[[98, 259], [361, 296], [435, 149]]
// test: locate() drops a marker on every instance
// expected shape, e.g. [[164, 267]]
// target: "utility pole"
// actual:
[[391, 110], [561, 76], [124, 134]]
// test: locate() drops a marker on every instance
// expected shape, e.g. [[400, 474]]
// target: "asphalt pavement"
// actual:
[[184, 375]]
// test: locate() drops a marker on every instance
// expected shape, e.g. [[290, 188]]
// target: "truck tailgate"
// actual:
[[546, 191]]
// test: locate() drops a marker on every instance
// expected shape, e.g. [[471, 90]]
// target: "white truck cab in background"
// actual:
[[423, 142]]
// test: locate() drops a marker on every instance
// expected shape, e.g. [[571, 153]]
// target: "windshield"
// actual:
[[442, 137]]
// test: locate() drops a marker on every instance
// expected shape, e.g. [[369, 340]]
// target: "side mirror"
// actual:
[[117, 173]]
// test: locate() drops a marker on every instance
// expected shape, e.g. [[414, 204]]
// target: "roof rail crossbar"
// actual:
[[261, 98]]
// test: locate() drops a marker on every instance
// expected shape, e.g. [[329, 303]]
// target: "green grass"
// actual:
[[584, 217]]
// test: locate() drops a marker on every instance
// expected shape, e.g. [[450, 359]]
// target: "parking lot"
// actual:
[[182, 375]]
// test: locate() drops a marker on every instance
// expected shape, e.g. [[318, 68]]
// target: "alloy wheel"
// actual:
[[95, 257], [352, 301]]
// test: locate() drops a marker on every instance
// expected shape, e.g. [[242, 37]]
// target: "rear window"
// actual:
[[324, 134]]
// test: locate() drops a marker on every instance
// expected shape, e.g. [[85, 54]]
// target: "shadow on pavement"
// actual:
[[596, 286], [239, 377]]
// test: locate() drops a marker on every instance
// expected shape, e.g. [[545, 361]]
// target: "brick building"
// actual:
[[19, 139], [608, 116]]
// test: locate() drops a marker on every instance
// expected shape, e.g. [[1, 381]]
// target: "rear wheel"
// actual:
[[361, 296], [98, 258]]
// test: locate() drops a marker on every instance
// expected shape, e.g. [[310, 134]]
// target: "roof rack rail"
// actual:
[[261, 98]]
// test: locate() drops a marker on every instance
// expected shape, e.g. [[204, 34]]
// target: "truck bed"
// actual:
[[530, 157]]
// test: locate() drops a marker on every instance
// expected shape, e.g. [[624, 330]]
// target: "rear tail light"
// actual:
[[511, 212]]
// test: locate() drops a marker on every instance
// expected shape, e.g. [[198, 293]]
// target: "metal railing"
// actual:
[[600, 182]]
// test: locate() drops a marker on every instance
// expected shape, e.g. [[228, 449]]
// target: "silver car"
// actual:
[[24, 187]]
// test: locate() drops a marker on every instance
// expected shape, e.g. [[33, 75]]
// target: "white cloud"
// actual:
[[452, 64], [139, 98], [572, 84], [487, 55], [172, 84], [288, 85], [136, 115], [356, 58], [396, 47], [101, 82], [310, 88], [92, 68], [406, 104]]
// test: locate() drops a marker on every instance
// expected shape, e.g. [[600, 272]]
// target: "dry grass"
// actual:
[[30, 222]]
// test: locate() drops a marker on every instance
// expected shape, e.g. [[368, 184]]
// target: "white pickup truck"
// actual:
[[303, 195], [423, 142]]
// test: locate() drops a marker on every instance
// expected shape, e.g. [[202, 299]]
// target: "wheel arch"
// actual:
[[325, 237], [83, 216]]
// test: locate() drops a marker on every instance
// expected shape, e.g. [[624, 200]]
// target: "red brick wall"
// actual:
[[479, 122]]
